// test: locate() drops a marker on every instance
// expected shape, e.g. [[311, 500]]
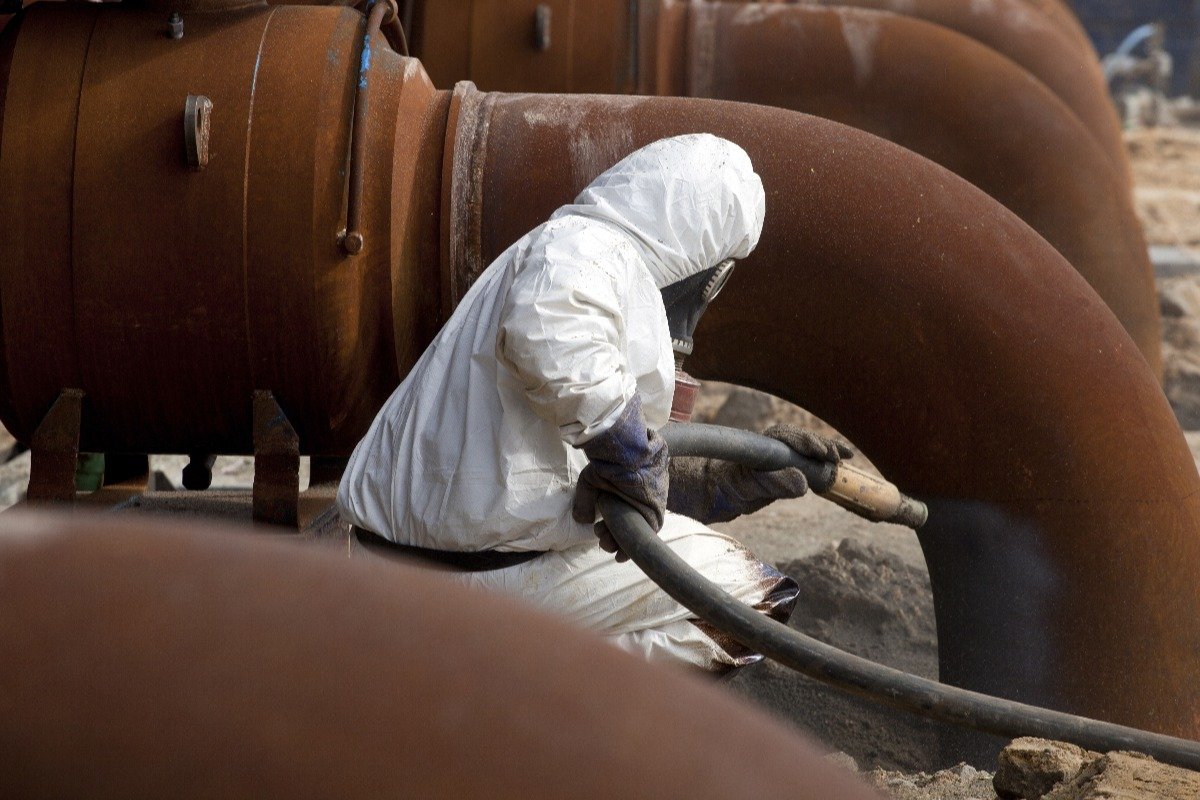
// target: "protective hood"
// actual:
[[688, 203]]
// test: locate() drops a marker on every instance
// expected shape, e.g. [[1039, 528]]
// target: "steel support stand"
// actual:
[[55, 450], [276, 499]]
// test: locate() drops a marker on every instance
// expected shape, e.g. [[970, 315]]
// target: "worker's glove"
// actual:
[[627, 460], [712, 490]]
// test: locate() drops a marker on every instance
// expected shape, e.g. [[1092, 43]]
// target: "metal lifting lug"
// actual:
[[197, 111], [541, 27]]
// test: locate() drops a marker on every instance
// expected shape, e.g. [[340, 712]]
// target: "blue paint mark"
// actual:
[[366, 62]]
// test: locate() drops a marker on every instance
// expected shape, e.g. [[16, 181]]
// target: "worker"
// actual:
[[547, 387]]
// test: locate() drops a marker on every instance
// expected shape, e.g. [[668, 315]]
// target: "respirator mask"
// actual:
[[685, 302]]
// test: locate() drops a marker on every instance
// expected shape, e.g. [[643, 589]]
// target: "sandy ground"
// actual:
[[1166, 175]]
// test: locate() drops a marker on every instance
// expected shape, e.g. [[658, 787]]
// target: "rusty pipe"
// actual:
[[596, 51], [939, 94], [222, 269], [1063, 15], [1036, 42], [920, 84], [972, 364], [196, 661]]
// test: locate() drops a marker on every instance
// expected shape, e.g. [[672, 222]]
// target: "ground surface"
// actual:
[[1166, 175]]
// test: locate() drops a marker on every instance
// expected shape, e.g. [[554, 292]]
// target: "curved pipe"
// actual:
[[944, 96], [959, 351], [1035, 41], [196, 661], [939, 93], [862, 677], [1064, 17], [605, 50]]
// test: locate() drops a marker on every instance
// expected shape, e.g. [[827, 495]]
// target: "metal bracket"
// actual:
[[197, 113], [541, 27], [55, 450], [276, 499]]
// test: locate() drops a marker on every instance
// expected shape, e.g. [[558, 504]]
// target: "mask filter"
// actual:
[[685, 302]]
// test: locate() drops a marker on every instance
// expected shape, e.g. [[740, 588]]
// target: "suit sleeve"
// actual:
[[562, 329]]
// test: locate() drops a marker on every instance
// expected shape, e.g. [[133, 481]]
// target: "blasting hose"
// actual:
[[851, 488], [856, 675]]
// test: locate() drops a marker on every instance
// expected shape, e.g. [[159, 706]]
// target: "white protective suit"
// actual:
[[477, 448]]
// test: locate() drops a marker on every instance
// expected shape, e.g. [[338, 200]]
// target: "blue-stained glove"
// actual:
[[711, 490], [627, 460]]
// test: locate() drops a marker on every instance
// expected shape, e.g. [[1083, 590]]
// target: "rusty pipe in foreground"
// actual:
[[196, 661], [971, 364]]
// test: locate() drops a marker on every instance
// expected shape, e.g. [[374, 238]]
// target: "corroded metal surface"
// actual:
[[970, 362], [124, 269], [187, 661], [1036, 42], [276, 465], [945, 96], [495, 41], [1060, 12], [957, 84]]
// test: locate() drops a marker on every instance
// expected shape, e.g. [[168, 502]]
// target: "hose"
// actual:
[[860, 492], [859, 676]]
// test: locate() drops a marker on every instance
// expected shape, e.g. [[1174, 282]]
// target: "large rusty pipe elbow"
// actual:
[[1036, 41], [918, 79], [1061, 13], [957, 349], [939, 94]]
